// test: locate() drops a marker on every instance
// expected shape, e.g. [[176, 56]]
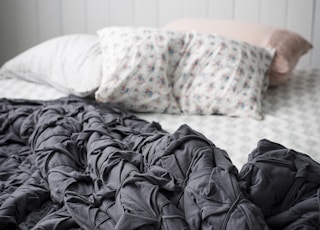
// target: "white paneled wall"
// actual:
[[316, 36], [145, 9], [48, 19], [24, 23], [97, 15], [221, 9]]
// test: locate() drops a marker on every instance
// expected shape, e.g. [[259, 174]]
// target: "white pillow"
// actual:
[[137, 65], [70, 63], [217, 75]]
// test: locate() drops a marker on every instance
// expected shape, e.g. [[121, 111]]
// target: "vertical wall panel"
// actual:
[[274, 12], [221, 9], [97, 14], [247, 10], [316, 36], [49, 19], [26, 16], [301, 25], [121, 12], [26, 22], [73, 16], [146, 12], [296, 8], [195, 8], [169, 10], [8, 28]]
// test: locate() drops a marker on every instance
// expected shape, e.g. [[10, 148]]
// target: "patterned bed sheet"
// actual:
[[17, 88], [291, 117]]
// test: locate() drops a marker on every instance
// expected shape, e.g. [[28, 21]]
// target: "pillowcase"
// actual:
[[70, 63], [289, 46], [137, 65], [155, 70], [217, 75]]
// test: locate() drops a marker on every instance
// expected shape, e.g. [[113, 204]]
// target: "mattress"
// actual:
[[74, 163], [291, 116]]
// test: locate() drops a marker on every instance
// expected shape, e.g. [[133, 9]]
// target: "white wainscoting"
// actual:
[[24, 23]]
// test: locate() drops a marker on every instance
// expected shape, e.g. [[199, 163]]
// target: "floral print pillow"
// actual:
[[138, 64], [217, 75], [156, 70]]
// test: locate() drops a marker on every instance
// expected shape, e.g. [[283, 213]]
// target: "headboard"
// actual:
[[24, 23]]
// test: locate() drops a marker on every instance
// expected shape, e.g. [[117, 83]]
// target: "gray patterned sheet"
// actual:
[[291, 117]]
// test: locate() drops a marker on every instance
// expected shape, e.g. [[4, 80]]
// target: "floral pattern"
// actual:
[[137, 66], [221, 76], [155, 70]]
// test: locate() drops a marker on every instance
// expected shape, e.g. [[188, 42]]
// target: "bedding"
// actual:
[[63, 62], [71, 162], [138, 64], [291, 117], [74, 163], [154, 70]]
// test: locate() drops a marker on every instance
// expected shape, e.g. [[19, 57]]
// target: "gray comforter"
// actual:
[[73, 163]]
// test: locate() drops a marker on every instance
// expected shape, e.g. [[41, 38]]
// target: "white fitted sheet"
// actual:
[[291, 116]]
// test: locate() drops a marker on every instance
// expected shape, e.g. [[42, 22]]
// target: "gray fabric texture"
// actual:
[[74, 163]]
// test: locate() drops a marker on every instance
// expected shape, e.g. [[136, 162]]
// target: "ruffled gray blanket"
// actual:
[[77, 164]]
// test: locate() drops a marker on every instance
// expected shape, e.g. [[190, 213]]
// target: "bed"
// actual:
[[76, 158]]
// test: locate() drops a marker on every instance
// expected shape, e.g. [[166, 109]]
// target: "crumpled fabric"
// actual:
[[75, 163], [285, 184]]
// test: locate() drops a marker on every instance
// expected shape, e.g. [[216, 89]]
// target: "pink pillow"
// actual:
[[289, 45]]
